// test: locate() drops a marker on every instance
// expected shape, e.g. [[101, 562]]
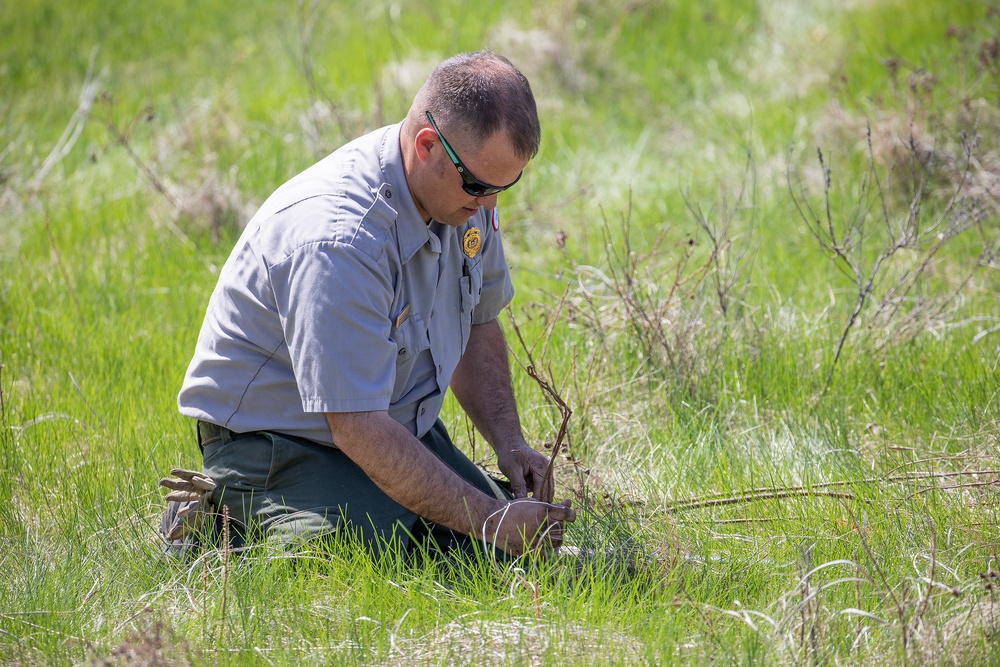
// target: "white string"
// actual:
[[492, 547]]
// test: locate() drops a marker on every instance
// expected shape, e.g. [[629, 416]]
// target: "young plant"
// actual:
[[889, 255]]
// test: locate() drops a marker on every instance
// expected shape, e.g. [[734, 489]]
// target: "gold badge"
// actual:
[[471, 242]]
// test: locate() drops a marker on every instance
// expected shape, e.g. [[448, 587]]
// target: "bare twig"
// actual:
[[566, 414], [754, 497], [124, 139], [564, 410], [959, 457], [731, 261], [821, 489], [992, 482], [659, 294], [75, 126], [643, 314]]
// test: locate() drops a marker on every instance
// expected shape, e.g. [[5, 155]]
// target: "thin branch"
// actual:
[[960, 457], [75, 126], [754, 497], [764, 493], [124, 140], [551, 393], [566, 414], [992, 482]]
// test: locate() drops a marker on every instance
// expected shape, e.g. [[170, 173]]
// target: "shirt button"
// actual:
[[422, 411], [402, 351], [440, 368]]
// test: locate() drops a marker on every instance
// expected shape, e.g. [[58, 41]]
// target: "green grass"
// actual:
[[735, 507]]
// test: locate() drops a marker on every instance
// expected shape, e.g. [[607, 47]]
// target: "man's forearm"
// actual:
[[414, 477], [409, 473]]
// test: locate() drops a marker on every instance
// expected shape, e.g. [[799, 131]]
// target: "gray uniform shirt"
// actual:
[[338, 297]]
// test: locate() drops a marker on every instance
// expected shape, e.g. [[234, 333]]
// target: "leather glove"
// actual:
[[188, 503]]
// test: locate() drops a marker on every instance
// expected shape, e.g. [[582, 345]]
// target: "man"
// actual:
[[361, 291]]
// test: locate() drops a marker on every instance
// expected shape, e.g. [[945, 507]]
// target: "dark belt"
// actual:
[[208, 432]]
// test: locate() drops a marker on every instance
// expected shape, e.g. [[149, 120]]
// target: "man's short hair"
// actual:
[[472, 96]]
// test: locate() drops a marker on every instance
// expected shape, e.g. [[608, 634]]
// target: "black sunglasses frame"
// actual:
[[470, 183]]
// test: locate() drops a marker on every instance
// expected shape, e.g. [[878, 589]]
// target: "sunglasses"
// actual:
[[470, 183]]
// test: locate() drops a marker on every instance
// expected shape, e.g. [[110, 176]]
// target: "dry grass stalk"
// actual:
[[70, 135]]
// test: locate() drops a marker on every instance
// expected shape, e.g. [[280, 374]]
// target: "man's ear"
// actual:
[[425, 140]]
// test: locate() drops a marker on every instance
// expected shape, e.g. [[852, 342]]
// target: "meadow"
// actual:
[[756, 263]]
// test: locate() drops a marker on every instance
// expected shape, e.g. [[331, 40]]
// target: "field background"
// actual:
[[756, 258]]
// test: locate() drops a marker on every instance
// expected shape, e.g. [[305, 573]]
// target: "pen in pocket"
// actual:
[[402, 315]]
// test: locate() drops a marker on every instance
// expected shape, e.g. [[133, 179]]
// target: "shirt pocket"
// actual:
[[470, 289], [411, 339]]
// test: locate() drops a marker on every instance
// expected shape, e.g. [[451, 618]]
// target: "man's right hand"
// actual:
[[526, 525]]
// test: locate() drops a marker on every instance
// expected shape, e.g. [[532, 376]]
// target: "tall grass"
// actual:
[[738, 503]]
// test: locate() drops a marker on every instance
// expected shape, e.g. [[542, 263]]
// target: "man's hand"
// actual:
[[528, 525], [525, 468], [188, 503]]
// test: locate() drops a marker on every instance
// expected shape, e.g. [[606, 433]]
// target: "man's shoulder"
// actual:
[[350, 177], [323, 221], [342, 199]]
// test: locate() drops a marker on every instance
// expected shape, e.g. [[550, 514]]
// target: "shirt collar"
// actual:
[[411, 230]]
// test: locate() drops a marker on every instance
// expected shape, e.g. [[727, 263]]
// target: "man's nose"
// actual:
[[487, 202]]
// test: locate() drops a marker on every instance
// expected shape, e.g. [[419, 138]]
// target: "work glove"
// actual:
[[189, 504]]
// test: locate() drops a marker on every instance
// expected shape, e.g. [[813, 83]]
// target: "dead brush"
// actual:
[[182, 166], [895, 256], [674, 303], [156, 645], [631, 297], [914, 236], [676, 300]]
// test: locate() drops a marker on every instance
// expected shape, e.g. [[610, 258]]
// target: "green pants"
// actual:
[[286, 488]]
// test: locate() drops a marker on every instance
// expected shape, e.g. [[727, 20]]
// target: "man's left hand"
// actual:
[[525, 468]]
